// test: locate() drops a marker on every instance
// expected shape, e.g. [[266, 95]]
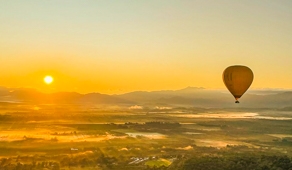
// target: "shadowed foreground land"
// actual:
[[99, 137]]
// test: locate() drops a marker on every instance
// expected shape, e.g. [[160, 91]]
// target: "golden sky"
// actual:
[[121, 46]]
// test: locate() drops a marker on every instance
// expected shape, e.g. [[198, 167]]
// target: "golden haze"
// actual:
[[149, 45]]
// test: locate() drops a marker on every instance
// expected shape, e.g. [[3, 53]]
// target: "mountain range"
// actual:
[[190, 96]]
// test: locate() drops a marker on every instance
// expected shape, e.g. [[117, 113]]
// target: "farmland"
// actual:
[[101, 137]]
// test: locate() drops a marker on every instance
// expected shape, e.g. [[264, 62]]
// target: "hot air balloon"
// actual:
[[237, 79]]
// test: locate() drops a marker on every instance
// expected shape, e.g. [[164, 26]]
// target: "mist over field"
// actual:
[[191, 128]]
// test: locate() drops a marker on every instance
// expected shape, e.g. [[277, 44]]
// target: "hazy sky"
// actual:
[[118, 46]]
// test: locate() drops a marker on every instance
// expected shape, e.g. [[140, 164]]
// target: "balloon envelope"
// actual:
[[237, 79]]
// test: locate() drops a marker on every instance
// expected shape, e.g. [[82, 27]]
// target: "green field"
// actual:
[[158, 163]]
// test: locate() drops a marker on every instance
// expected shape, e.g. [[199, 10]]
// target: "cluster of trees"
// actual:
[[239, 162], [83, 161], [89, 161], [8, 164], [227, 162]]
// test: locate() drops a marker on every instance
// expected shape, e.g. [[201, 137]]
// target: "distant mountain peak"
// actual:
[[189, 88]]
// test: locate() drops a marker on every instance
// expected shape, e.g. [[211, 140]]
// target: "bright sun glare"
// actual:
[[48, 79]]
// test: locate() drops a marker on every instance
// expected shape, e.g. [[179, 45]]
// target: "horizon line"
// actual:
[[186, 88]]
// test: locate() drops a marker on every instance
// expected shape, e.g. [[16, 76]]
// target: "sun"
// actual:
[[48, 79]]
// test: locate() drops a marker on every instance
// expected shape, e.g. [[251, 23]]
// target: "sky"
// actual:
[[112, 46]]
